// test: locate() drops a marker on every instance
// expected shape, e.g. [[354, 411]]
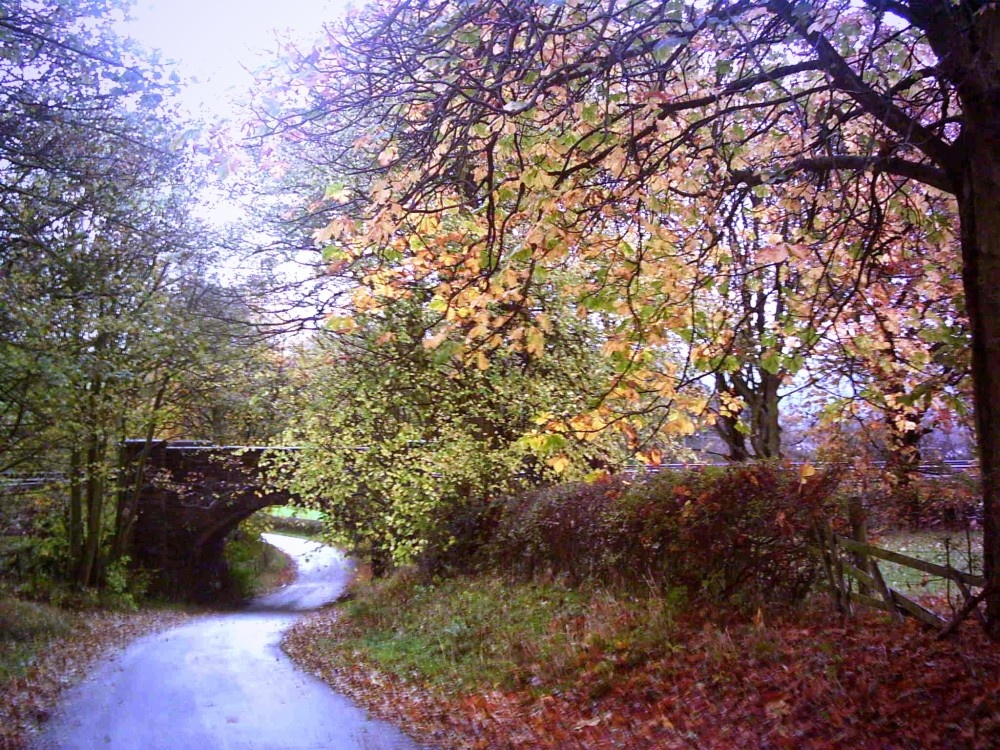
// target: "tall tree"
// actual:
[[95, 232], [397, 434], [591, 130]]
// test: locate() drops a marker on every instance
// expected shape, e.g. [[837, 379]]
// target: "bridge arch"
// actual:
[[190, 497]]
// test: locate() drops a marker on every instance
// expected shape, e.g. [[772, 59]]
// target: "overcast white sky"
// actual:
[[217, 40]]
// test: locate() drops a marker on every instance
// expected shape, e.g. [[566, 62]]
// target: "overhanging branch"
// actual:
[[925, 173]]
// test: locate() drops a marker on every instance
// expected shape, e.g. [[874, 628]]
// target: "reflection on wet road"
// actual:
[[223, 682]]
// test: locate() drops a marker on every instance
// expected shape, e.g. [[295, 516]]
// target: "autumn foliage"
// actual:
[[733, 534], [640, 613], [767, 190], [948, 502], [803, 682]]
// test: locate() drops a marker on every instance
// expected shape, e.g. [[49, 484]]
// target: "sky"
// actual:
[[214, 45], [217, 41]]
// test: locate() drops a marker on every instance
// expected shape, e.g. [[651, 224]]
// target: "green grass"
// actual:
[[951, 548], [255, 565], [25, 629], [287, 511], [464, 633]]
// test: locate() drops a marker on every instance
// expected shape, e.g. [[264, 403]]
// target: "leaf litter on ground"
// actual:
[[809, 681], [29, 697]]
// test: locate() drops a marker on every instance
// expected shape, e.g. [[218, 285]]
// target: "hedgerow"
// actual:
[[736, 534]]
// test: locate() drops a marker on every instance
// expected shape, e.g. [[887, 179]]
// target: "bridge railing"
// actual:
[[13, 482]]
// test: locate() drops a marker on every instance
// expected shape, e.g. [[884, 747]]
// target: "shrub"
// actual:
[[950, 502], [735, 534], [23, 621], [946, 501], [37, 546], [457, 543], [125, 585], [561, 530], [25, 627], [293, 525], [246, 556], [727, 534]]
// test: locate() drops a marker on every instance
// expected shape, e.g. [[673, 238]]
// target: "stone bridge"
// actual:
[[191, 496]]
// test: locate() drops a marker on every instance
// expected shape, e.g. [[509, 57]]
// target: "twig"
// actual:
[[970, 604]]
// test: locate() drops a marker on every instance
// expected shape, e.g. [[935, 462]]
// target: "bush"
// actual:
[[950, 502], [562, 530], [33, 530], [735, 534], [294, 525], [23, 621], [724, 534], [246, 556], [125, 585], [946, 501], [457, 544], [25, 628]]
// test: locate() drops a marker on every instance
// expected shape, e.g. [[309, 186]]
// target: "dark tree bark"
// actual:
[[979, 206], [966, 38], [762, 410]]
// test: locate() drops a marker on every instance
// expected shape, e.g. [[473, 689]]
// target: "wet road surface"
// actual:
[[223, 682]]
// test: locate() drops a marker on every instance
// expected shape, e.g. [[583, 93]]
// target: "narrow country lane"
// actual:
[[222, 682]]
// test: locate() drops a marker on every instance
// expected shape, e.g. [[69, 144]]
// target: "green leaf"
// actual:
[[771, 362]]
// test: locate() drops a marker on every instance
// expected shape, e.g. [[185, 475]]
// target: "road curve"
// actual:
[[222, 682]]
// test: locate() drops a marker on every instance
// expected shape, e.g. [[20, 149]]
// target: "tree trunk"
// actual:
[[761, 403], [904, 457], [765, 424], [93, 474], [979, 210], [95, 484], [727, 426], [131, 478], [75, 513], [380, 560]]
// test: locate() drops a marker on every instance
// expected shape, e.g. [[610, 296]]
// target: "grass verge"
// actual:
[[485, 663], [24, 627], [45, 649], [484, 633]]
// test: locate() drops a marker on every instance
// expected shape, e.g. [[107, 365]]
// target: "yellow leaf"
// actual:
[[435, 341], [681, 425], [559, 463], [806, 471], [340, 323], [388, 156], [653, 457], [536, 342], [324, 234], [429, 223]]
